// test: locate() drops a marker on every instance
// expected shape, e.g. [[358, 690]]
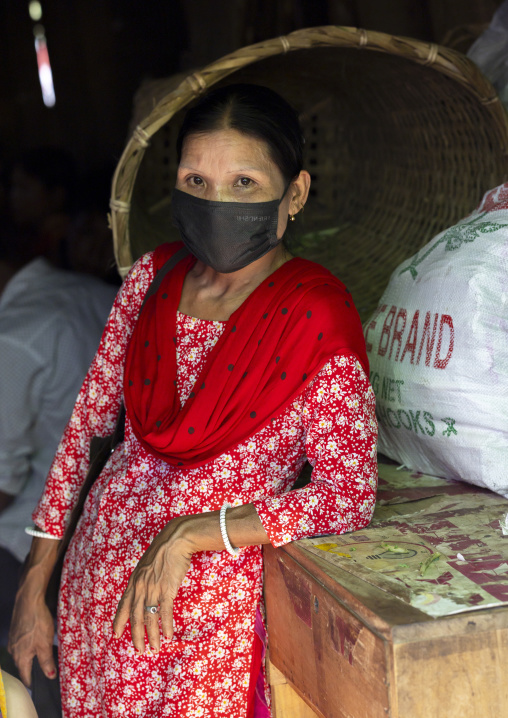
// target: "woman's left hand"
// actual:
[[154, 582], [162, 568]]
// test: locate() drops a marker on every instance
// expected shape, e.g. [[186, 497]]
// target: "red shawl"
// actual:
[[273, 345]]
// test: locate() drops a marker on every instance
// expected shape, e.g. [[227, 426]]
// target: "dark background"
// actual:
[[102, 50]]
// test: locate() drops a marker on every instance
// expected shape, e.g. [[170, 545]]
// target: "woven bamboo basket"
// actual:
[[403, 138]]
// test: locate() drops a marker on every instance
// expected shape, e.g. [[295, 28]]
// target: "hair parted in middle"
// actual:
[[253, 110]]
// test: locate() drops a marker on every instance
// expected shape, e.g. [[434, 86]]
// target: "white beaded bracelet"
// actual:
[[32, 531], [222, 522]]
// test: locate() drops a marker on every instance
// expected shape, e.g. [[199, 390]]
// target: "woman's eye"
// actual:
[[196, 181], [245, 182]]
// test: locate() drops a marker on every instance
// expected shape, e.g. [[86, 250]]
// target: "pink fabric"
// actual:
[[261, 709]]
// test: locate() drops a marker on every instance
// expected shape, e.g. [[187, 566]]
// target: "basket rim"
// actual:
[[444, 60]]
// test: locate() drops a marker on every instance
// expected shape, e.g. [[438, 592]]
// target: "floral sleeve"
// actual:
[[341, 433], [97, 405]]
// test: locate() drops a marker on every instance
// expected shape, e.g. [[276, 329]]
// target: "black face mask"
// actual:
[[226, 236]]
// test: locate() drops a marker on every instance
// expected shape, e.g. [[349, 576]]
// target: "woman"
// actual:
[[242, 364]]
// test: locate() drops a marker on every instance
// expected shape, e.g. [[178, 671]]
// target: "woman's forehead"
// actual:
[[226, 147]]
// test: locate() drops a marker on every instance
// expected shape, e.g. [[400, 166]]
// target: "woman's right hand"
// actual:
[[32, 625], [31, 635]]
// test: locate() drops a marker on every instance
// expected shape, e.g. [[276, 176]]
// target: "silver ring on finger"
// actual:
[[152, 609]]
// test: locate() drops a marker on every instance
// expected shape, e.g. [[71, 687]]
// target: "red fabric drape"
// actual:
[[272, 346]]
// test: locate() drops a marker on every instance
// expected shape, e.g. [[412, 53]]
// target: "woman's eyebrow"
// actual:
[[247, 169], [230, 172]]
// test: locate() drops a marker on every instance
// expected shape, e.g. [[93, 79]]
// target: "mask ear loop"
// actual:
[[285, 192], [291, 216]]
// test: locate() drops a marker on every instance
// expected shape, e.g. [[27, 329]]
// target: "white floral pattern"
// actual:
[[205, 670]]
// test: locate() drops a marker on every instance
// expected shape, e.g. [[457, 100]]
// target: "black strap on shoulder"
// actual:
[[118, 433], [166, 267]]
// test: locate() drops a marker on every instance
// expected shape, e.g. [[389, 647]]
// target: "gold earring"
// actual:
[[291, 217]]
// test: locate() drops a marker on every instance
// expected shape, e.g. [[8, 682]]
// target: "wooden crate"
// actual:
[[352, 649]]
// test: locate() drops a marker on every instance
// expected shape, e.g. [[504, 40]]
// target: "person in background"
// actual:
[[51, 321], [10, 262], [41, 199], [10, 259], [90, 241]]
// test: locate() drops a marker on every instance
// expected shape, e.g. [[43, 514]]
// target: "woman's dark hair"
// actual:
[[252, 110]]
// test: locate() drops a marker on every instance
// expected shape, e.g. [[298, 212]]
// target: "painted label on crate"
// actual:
[[344, 635]]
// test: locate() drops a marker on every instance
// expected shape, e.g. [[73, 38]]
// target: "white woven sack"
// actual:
[[438, 351]]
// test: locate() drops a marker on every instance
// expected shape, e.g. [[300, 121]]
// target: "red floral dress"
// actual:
[[205, 669]]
